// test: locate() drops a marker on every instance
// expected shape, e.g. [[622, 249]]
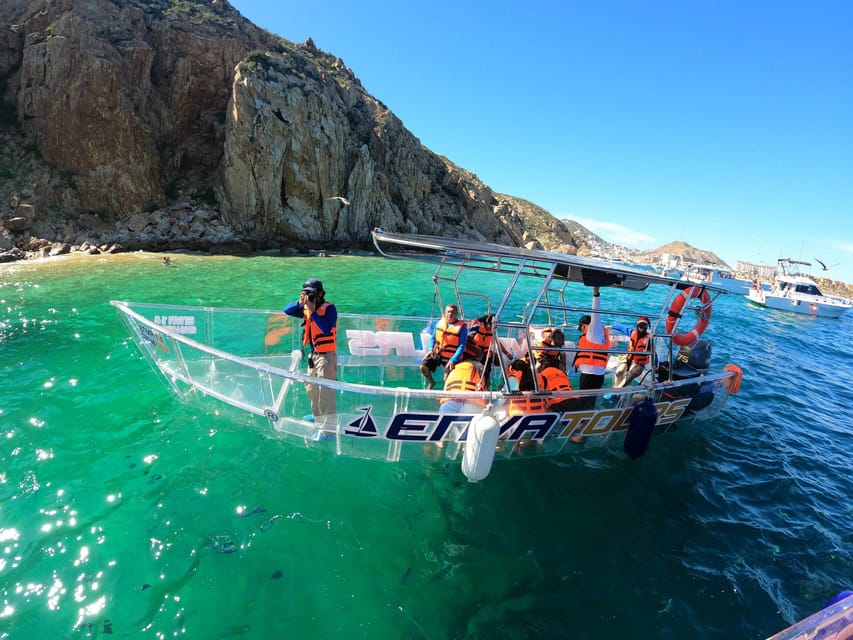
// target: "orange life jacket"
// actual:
[[519, 405], [320, 342], [554, 379], [464, 377], [447, 337], [638, 343], [479, 340], [592, 353]]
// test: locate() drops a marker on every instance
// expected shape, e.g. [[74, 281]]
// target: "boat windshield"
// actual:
[[808, 289]]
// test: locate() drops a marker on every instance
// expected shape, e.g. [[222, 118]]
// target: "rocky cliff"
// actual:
[[152, 122]]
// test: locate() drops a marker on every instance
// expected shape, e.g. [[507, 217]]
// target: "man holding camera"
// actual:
[[320, 328]]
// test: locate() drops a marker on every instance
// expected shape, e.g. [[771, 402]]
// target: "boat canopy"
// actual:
[[524, 262]]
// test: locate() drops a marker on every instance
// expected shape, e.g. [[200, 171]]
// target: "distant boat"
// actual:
[[721, 277], [670, 265], [796, 292]]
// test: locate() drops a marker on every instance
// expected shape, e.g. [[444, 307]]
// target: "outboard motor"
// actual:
[[692, 361], [696, 356]]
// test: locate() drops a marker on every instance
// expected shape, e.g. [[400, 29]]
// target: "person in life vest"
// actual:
[[320, 329], [479, 344], [465, 376], [521, 375], [634, 364], [591, 358], [552, 377], [480, 337], [446, 345], [555, 339]]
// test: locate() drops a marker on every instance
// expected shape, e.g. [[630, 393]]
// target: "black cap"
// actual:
[[312, 285], [584, 320]]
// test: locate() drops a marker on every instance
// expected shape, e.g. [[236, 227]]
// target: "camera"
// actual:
[[311, 297]]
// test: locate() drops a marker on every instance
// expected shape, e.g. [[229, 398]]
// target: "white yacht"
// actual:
[[796, 292], [719, 277]]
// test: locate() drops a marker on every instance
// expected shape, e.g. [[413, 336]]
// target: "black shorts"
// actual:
[[433, 362]]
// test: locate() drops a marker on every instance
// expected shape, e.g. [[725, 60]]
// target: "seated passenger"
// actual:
[[521, 371], [465, 376], [479, 343], [446, 345], [552, 377], [551, 338], [480, 336], [635, 364]]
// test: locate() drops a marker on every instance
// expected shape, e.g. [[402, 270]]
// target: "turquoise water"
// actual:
[[126, 514]]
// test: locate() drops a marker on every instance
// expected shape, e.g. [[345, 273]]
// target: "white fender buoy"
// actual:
[[480, 445]]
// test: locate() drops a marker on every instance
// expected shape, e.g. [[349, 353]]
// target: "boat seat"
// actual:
[[381, 363]]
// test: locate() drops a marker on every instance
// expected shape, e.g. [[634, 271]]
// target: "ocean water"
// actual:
[[125, 514]]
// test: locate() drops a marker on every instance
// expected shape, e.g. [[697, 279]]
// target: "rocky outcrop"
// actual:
[[126, 97], [123, 111], [310, 156]]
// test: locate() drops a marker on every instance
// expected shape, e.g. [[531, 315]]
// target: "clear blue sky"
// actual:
[[725, 124]]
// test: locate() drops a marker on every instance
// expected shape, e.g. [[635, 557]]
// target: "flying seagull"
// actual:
[[825, 268], [342, 200]]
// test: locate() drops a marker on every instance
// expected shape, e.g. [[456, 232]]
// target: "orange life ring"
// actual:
[[674, 315]]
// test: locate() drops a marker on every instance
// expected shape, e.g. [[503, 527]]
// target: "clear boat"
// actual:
[[833, 622], [252, 360], [796, 292]]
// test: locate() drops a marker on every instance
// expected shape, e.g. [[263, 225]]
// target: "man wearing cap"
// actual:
[[320, 328], [591, 358], [638, 341]]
